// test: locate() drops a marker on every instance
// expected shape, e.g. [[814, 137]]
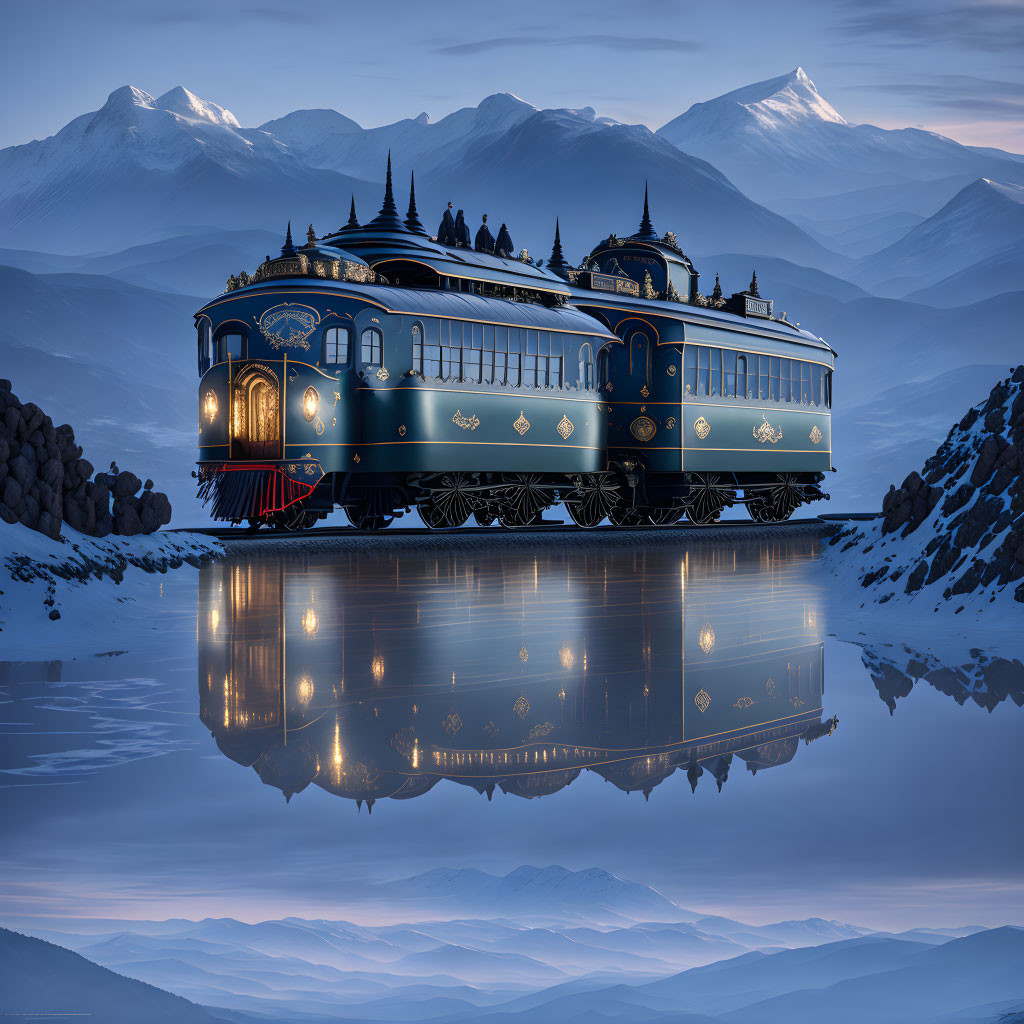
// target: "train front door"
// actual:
[[256, 416]]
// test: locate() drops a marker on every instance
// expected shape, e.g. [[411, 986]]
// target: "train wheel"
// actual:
[[626, 515], [522, 497], [450, 503], [665, 516], [362, 518], [293, 518], [786, 497], [708, 496], [595, 496], [759, 509]]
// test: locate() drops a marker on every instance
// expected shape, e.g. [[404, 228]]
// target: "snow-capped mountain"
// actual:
[[139, 168], [783, 144], [982, 221]]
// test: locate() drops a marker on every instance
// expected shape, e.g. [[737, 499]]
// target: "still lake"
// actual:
[[680, 714]]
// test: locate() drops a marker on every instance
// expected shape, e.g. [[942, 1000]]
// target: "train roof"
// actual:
[[430, 302]]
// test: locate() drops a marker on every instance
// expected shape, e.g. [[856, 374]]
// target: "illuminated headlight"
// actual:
[[210, 406], [310, 402]]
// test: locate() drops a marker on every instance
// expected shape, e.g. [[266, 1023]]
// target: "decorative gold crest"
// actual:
[[643, 428], [766, 433], [743, 702], [288, 325], [706, 638], [401, 430], [645, 391], [521, 425], [670, 423], [797, 702], [382, 373], [541, 729], [769, 688], [702, 700], [524, 654], [702, 427], [319, 425], [466, 422], [564, 427], [815, 435], [521, 706], [452, 724], [671, 371], [355, 458]]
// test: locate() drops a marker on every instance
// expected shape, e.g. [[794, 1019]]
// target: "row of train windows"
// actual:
[[731, 374]]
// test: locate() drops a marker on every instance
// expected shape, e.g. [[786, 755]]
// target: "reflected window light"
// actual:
[[565, 656], [706, 638], [377, 668], [305, 691], [214, 619], [310, 623]]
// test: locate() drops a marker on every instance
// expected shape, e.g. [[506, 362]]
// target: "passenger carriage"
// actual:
[[380, 369]]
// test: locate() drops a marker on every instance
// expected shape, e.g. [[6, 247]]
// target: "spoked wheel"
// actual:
[[778, 504], [293, 518], [626, 515], [708, 496], [450, 503], [522, 497], [485, 516], [595, 496], [665, 516]]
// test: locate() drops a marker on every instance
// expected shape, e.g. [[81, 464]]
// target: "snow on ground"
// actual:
[[85, 595]]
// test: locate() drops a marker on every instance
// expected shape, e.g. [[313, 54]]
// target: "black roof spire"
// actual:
[[353, 220], [646, 227], [753, 286], [557, 264], [717, 293], [412, 219], [387, 219], [288, 249]]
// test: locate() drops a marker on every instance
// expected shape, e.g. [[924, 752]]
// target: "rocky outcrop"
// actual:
[[954, 531], [45, 481]]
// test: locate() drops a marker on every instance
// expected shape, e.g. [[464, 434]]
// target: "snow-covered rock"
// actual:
[[952, 537], [85, 595]]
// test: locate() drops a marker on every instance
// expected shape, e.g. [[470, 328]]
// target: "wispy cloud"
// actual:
[[632, 44], [984, 97], [989, 25]]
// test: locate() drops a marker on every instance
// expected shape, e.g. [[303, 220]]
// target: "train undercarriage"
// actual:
[[624, 495]]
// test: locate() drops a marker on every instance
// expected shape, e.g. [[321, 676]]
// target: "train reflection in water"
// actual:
[[378, 673]]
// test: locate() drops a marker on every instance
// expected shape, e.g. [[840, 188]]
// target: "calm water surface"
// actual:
[[499, 708]]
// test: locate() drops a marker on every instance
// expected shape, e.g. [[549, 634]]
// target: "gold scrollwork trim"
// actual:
[[565, 428], [521, 425], [466, 422], [815, 434], [701, 427], [766, 433]]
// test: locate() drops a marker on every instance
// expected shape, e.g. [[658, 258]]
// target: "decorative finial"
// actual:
[[717, 293], [288, 249], [557, 262], [753, 286], [646, 227], [387, 219], [412, 220], [310, 236], [353, 221]]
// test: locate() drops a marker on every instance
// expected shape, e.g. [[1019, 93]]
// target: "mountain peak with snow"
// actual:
[[187, 104]]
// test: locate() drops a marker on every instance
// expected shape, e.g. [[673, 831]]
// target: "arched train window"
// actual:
[[372, 342], [586, 366], [232, 344], [335, 346], [417, 348], [205, 346]]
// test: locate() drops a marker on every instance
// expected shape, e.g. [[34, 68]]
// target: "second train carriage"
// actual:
[[380, 369]]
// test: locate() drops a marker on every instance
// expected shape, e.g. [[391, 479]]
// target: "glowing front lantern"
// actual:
[[310, 623], [305, 690], [377, 668], [210, 406], [310, 402]]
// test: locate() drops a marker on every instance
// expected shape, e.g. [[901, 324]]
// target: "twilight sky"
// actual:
[[952, 66]]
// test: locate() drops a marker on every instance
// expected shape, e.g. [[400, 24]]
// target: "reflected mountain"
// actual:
[[983, 679], [379, 673]]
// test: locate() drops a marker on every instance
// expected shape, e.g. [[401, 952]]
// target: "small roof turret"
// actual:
[[412, 219], [288, 249], [716, 295], [646, 232], [752, 290], [557, 263], [353, 220], [387, 219]]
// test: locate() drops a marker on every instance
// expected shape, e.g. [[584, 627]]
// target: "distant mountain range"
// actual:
[[495, 967]]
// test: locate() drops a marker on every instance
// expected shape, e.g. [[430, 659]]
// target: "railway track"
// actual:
[[237, 534]]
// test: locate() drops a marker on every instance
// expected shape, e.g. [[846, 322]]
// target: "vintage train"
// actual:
[[380, 369]]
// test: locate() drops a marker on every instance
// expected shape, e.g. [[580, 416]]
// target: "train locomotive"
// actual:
[[380, 369]]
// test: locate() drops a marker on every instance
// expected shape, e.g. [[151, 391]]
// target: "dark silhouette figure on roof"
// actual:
[[504, 246], [484, 238], [461, 231], [446, 232]]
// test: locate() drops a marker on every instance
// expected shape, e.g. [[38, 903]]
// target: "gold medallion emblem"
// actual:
[[564, 427], [644, 391], [382, 373], [815, 435], [643, 428], [702, 427], [466, 422], [766, 433], [670, 423], [671, 371], [521, 706], [401, 430], [702, 700], [521, 425]]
